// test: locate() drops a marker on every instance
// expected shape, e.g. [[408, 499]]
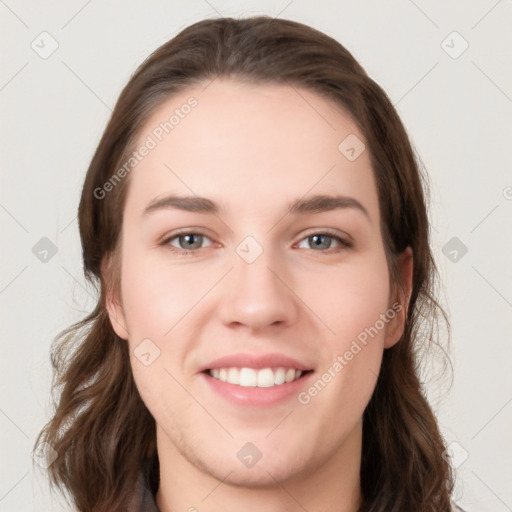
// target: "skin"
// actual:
[[254, 149]]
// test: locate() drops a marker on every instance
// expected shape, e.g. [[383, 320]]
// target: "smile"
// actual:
[[251, 377]]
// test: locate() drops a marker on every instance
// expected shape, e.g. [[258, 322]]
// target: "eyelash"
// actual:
[[344, 243]]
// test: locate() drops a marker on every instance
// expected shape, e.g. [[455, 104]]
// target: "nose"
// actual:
[[258, 295]]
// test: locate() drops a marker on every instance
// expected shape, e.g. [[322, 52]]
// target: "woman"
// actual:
[[255, 218]]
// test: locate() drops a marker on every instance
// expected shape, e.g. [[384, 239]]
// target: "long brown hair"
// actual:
[[101, 429]]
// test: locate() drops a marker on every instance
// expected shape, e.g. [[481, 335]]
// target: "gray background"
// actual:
[[456, 107]]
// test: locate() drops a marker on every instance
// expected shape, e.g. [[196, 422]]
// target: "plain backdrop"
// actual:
[[446, 66]]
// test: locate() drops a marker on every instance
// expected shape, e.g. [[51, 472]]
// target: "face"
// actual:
[[258, 284]]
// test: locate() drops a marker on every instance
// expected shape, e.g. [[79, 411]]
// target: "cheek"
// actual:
[[352, 298], [354, 303], [156, 296], [160, 301]]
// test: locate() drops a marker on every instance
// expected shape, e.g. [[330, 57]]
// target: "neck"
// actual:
[[330, 485]]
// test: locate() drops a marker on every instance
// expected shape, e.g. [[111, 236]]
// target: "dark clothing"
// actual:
[[144, 496]]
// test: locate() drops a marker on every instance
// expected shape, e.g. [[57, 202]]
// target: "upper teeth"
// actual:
[[249, 377]]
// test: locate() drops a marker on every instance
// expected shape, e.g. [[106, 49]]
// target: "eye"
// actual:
[[323, 241], [187, 242]]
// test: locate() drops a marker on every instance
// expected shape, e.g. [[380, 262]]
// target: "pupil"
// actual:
[[317, 240], [190, 239]]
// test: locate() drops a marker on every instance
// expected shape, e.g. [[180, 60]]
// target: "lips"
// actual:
[[256, 362], [256, 380]]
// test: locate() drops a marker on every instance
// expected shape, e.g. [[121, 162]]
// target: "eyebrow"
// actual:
[[308, 205]]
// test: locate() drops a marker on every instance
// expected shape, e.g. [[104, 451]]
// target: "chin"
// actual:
[[274, 465], [264, 475]]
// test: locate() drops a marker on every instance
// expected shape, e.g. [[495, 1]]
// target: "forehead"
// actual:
[[243, 143]]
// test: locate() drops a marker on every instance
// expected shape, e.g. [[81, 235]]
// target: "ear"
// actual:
[[113, 302], [396, 326]]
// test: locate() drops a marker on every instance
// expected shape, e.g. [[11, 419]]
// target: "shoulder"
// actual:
[[456, 508]]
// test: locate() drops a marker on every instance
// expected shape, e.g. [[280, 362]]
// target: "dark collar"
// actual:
[[144, 496]]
